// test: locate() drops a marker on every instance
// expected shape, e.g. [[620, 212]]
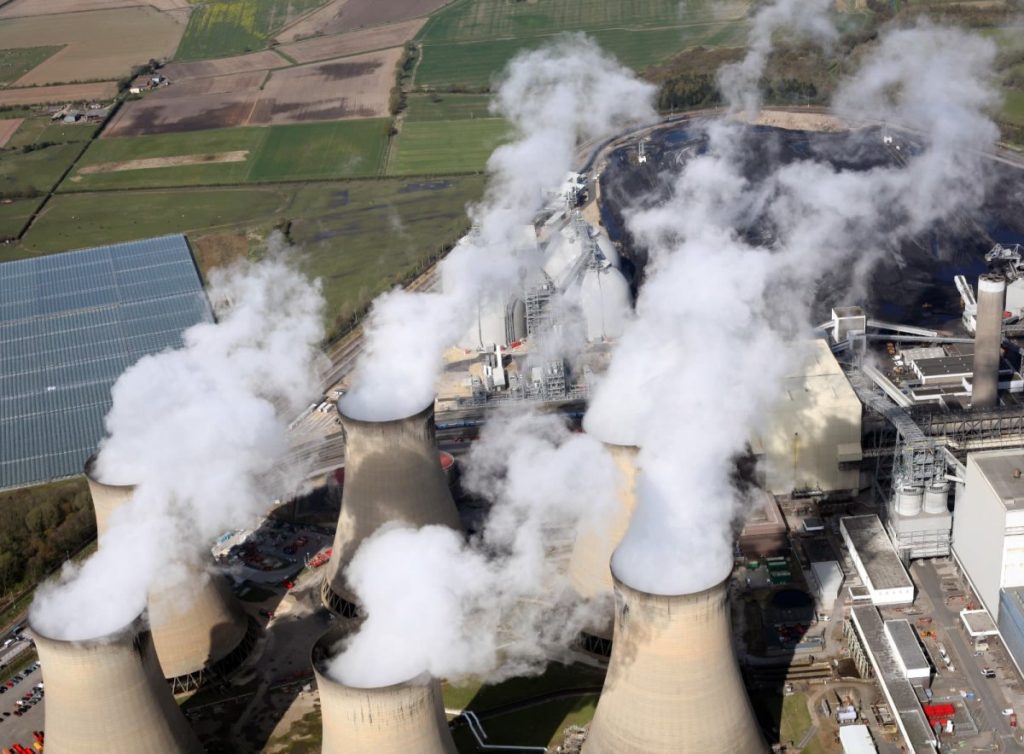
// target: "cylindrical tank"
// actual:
[[109, 695], [988, 340], [391, 474], [673, 684], [606, 303], [405, 718], [195, 627], [908, 500], [936, 498]]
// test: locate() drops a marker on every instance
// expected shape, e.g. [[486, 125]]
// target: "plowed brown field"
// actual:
[[49, 7], [43, 95], [348, 15], [350, 43], [254, 61], [7, 129]]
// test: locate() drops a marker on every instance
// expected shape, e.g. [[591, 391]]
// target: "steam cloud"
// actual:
[[720, 319], [552, 97], [202, 432], [499, 605]]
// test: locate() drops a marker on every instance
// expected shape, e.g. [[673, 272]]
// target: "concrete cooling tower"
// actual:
[[405, 718], [109, 695], [391, 474], [589, 572], [673, 683], [199, 630]]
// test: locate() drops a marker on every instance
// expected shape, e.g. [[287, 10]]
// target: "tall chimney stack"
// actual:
[[988, 340], [109, 695], [196, 629], [673, 683], [392, 473], [404, 718]]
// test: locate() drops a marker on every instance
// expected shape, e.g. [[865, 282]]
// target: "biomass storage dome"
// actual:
[[198, 629], [673, 684], [606, 302], [391, 474], [405, 718], [108, 695]]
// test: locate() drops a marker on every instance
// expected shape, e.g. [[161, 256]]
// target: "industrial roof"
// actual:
[[978, 622], [856, 740], [69, 325], [908, 649], [1004, 471], [875, 550]]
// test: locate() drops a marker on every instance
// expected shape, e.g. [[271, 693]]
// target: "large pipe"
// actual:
[[108, 695], [404, 718], [391, 474], [988, 340], [673, 684], [197, 627]]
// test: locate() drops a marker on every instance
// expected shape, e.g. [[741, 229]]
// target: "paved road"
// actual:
[[987, 710], [19, 729]]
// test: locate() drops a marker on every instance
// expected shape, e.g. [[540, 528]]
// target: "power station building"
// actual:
[[673, 684], [392, 473], [198, 629], [876, 561], [109, 695], [404, 718]]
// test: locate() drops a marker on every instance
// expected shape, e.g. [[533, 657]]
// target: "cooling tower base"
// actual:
[[337, 604], [223, 668], [594, 645]]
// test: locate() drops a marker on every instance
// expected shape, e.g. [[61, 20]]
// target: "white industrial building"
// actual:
[[856, 739], [907, 651], [811, 443], [826, 581], [877, 563], [988, 528]]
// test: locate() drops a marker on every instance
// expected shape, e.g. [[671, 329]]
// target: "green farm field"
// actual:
[[14, 215], [343, 149], [231, 27], [359, 237], [473, 65], [37, 129], [25, 173], [429, 107], [440, 147], [16, 62]]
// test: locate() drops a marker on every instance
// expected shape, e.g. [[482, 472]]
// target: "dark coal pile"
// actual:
[[914, 285]]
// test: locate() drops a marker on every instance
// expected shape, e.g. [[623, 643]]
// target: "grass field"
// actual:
[[16, 62], [440, 147], [34, 171], [427, 107], [14, 215], [37, 129], [342, 149], [220, 28], [472, 65], [360, 237]]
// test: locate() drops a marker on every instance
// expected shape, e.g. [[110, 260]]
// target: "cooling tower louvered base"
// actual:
[[392, 474], [108, 695], [673, 683], [406, 718]]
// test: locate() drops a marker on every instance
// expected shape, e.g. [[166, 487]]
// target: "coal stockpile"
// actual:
[[912, 284]]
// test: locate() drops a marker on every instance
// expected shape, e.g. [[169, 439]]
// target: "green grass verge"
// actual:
[[359, 237], [439, 147], [14, 215], [219, 28], [15, 63], [343, 149], [473, 65], [541, 725], [36, 171]]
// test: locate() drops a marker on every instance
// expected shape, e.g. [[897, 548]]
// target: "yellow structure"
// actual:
[[405, 718], [811, 441], [109, 695], [673, 683], [195, 627], [392, 473]]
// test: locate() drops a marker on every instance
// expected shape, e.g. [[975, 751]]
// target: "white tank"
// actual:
[[608, 249], [908, 500], [936, 498], [606, 302], [500, 319]]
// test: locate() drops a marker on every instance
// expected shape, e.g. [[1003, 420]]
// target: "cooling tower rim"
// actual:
[[320, 655], [623, 586], [621, 439], [89, 469], [348, 420], [138, 625]]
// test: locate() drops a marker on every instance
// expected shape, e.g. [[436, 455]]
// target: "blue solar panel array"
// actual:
[[69, 325]]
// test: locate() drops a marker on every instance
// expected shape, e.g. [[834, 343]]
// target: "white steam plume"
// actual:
[[719, 318], [202, 432], [499, 605], [553, 98]]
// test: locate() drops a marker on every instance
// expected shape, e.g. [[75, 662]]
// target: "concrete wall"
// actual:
[[978, 527]]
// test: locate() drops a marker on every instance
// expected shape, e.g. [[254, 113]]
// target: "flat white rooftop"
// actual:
[[877, 563], [856, 739], [907, 648]]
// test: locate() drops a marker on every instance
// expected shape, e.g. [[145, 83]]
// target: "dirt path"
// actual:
[[148, 163]]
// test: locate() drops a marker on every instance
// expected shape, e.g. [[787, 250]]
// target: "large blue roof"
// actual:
[[69, 325]]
